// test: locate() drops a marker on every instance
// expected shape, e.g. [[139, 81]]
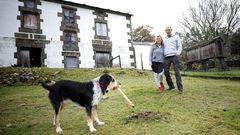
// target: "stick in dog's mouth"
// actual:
[[126, 98], [118, 87]]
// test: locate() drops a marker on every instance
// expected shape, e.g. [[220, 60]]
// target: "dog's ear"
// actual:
[[104, 81]]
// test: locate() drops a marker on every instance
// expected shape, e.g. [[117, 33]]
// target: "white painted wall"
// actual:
[[51, 22], [8, 26], [86, 57], [7, 50], [119, 37], [86, 24], [8, 14], [51, 28], [144, 49], [54, 54]]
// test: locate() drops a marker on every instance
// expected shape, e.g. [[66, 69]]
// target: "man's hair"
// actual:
[[168, 27]]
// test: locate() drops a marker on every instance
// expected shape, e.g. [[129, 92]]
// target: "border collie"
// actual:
[[86, 94]]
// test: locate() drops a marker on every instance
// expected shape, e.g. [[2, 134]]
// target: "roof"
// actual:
[[70, 3], [203, 43]]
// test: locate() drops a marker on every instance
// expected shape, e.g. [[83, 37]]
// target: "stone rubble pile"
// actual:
[[24, 75]]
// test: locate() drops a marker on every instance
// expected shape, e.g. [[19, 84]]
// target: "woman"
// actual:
[[156, 61]]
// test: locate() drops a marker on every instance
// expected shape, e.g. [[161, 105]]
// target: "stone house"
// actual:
[[63, 34]]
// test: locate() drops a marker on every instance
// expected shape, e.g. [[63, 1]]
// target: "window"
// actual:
[[71, 62], [70, 38], [69, 16], [30, 21], [30, 4], [100, 17], [101, 29]]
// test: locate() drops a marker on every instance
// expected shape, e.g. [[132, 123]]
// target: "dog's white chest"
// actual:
[[97, 93]]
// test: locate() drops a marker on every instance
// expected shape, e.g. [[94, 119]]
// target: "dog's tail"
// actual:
[[44, 85]]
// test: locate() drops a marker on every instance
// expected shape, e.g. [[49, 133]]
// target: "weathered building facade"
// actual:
[[58, 34], [206, 55]]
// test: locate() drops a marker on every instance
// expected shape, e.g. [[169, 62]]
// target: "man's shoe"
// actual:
[[180, 92], [169, 89]]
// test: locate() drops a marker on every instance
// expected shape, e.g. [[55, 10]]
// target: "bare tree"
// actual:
[[209, 19], [233, 16], [143, 34]]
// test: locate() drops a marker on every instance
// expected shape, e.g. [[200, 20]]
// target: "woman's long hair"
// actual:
[[161, 39]]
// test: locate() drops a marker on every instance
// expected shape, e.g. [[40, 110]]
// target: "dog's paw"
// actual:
[[100, 123], [92, 130], [59, 130]]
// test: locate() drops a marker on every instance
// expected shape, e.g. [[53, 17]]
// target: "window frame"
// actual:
[[103, 30], [100, 19], [34, 4], [73, 18], [73, 34], [36, 26], [71, 57]]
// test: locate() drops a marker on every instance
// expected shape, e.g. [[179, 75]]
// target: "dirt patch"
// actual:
[[148, 116]]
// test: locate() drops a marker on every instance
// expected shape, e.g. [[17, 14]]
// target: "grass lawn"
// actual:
[[207, 106], [233, 74]]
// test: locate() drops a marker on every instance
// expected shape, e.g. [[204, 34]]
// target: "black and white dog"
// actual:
[[86, 94]]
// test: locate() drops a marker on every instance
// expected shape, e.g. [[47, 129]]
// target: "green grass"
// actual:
[[233, 74], [207, 106]]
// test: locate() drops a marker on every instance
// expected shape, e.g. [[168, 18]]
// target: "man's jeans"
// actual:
[[175, 61]]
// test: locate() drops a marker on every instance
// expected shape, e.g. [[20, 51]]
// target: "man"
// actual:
[[172, 49]]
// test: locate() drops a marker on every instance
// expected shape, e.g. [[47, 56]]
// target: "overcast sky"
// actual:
[[156, 13]]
